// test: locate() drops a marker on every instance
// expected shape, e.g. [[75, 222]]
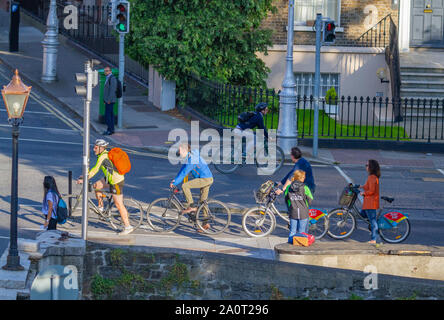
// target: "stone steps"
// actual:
[[422, 82]]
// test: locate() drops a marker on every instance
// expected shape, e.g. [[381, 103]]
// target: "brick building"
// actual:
[[350, 65]]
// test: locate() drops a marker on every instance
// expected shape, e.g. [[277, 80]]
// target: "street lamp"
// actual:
[[15, 95], [287, 129]]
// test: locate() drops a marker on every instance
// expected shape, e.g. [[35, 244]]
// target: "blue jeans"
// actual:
[[109, 116], [298, 226], [371, 215]]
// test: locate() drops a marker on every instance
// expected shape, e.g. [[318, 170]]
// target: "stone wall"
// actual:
[[113, 272], [352, 19]]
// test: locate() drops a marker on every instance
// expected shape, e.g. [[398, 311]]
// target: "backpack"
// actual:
[[62, 211], [118, 89], [120, 160], [301, 239], [245, 116]]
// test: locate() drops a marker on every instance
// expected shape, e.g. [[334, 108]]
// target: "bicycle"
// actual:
[[110, 213], [260, 221], [164, 214], [232, 166], [393, 227]]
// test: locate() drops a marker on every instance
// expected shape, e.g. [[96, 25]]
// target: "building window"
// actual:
[[305, 83], [305, 11]]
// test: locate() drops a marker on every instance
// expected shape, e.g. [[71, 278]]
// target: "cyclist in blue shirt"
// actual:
[[203, 178]]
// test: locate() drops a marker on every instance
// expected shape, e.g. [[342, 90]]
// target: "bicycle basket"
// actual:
[[347, 197], [261, 194]]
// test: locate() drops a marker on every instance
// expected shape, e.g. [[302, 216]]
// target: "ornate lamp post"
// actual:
[[15, 95], [50, 45], [287, 128]]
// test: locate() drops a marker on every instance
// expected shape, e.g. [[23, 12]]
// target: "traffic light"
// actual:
[[14, 27], [121, 14], [329, 31], [81, 89]]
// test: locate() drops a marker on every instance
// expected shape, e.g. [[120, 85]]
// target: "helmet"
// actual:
[[101, 143], [261, 106]]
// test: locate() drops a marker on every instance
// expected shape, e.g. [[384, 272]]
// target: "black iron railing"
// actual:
[[393, 61], [345, 118], [378, 35], [93, 31]]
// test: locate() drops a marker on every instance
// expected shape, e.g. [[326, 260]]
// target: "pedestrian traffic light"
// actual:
[[329, 31], [121, 12]]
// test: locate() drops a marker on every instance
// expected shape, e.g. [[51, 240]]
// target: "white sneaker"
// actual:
[[126, 231]]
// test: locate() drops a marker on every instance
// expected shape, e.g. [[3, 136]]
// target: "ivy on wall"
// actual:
[[216, 39]]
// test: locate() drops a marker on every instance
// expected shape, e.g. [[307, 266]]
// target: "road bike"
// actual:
[[110, 213], [393, 226], [260, 221], [229, 164], [164, 214]]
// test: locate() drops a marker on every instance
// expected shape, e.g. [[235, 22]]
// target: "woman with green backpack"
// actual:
[[51, 196]]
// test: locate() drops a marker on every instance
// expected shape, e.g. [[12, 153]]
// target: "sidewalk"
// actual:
[[145, 126]]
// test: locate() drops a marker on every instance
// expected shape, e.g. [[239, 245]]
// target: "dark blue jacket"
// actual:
[[305, 166], [194, 164], [255, 121]]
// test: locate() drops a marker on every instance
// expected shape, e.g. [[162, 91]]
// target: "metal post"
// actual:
[[121, 76], [86, 119], [317, 84], [13, 259], [287, 128], [70, 192], [50, 44]]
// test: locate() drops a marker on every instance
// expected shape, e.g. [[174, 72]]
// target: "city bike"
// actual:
[[164, 214], [260, 221], [393, 226], [110, 213], [230, 163]]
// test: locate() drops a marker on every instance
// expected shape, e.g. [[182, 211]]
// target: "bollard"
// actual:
[[69, 192]]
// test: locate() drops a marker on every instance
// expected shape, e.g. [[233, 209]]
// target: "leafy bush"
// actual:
[[215, 39], [331, 96]]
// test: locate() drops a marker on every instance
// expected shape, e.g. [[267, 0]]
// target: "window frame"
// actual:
[[305, 84], [299, 27]]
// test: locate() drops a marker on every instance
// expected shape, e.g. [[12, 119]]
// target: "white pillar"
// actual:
[[404, 25]]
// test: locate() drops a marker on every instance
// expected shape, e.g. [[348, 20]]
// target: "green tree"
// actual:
[[216, 39]]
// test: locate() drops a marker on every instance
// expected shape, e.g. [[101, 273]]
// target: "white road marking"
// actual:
[[40, 128], [45, 141], [34, 112], [441, 170]]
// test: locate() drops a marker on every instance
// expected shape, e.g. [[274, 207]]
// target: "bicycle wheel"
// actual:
[[258, 222], [226, 166], [163, 215], [318, 228], [263, 164], [341, 223], [396, 234], [135, 214], [213, 217]]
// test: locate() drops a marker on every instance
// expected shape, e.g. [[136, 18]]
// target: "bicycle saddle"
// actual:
[[388, 199]]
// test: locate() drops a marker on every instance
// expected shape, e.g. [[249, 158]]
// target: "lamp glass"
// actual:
[[15, 104]]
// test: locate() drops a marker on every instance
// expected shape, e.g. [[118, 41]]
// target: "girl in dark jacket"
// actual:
[[297, 197]]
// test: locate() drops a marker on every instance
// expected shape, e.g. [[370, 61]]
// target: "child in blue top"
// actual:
[[51, 197]]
